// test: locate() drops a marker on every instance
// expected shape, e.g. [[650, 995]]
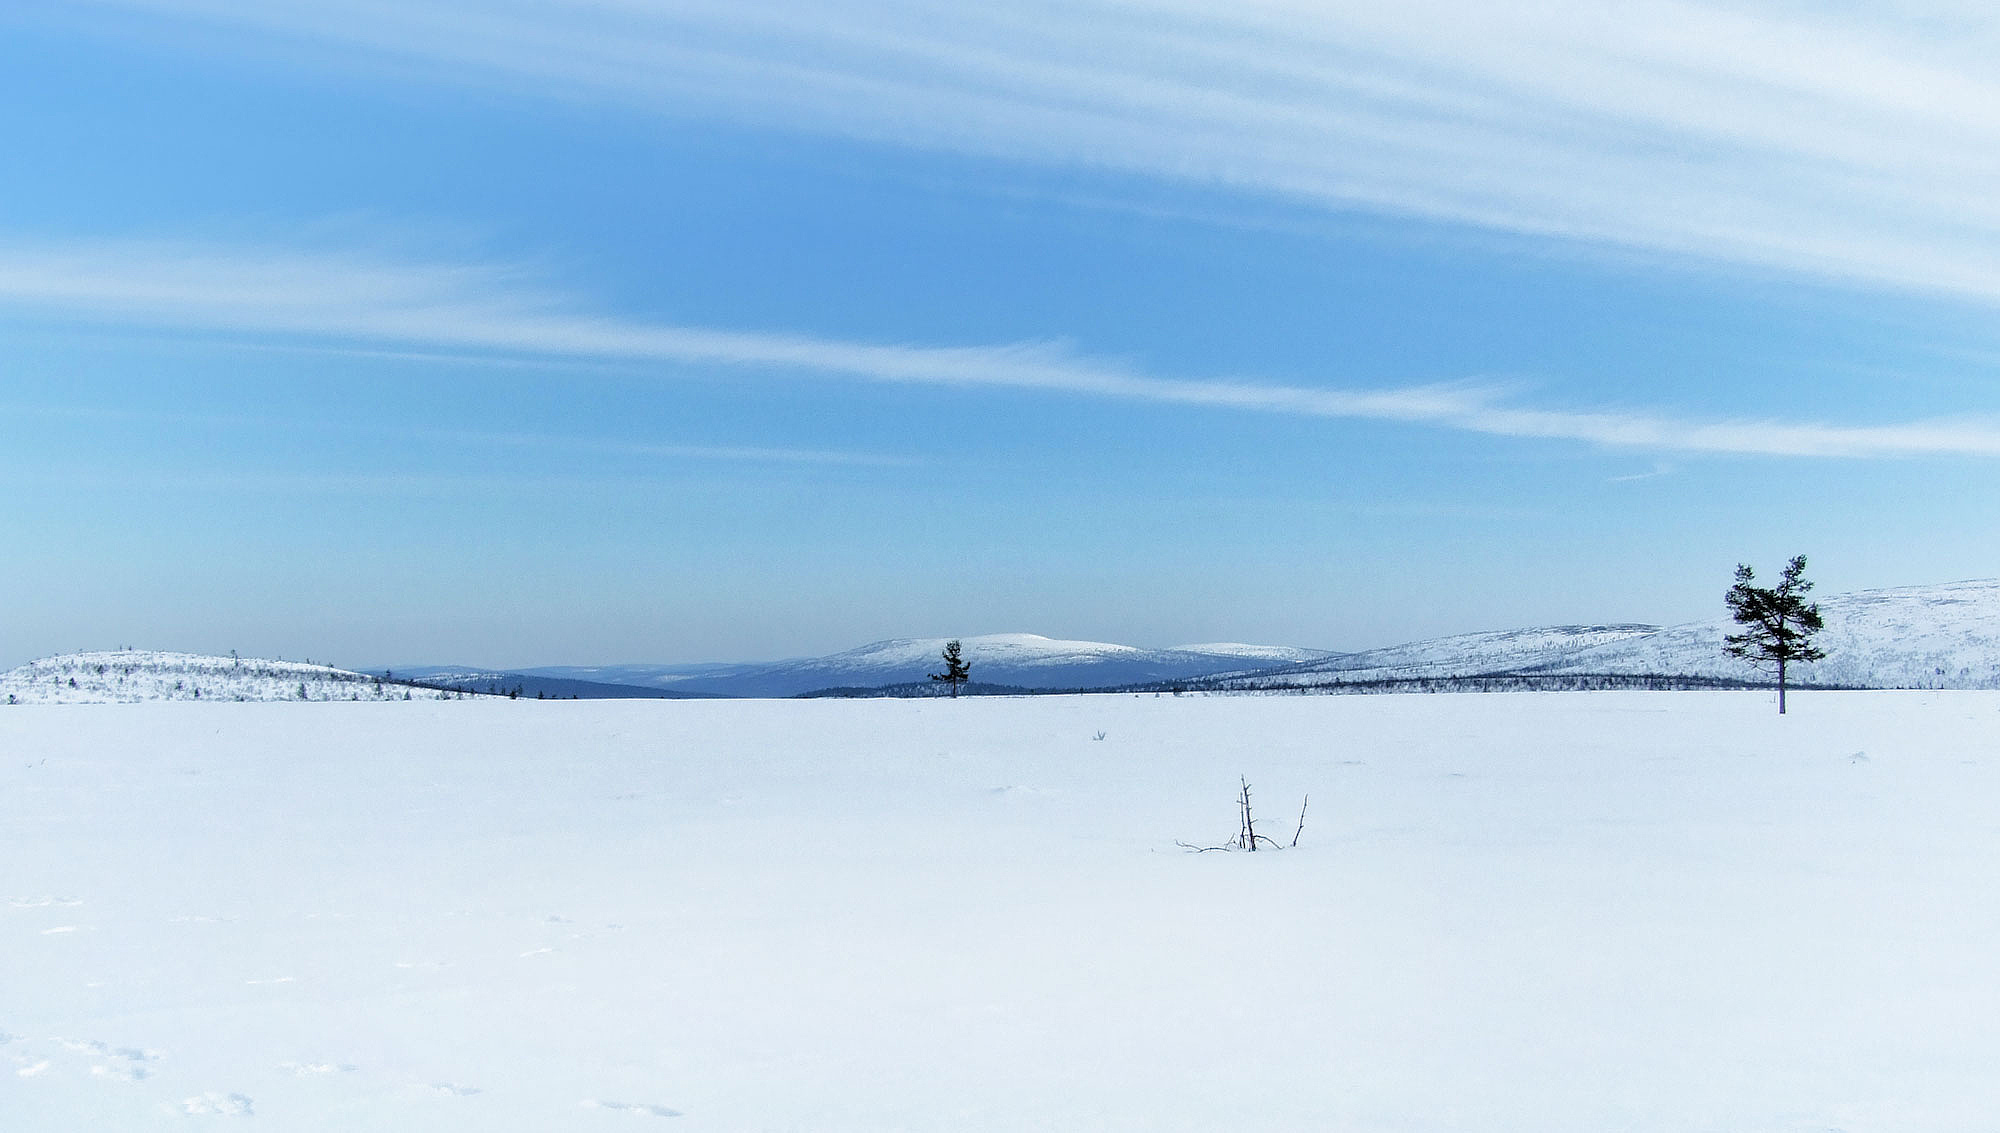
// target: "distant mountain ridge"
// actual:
[[1943, 636], [535, 685], [1022, 660]]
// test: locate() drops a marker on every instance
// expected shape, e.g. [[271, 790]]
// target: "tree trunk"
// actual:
[[1781, 686], [1249, 824]]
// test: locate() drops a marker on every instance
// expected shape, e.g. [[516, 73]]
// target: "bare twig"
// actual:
[[1247, 837], [1249, 834]]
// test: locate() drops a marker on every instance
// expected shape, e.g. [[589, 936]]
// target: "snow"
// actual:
[[1024, 660], [1525, 912], [1261, 654], [1944, 636], [998, 648], [1470, 654], [132, 675], [1910, 637]]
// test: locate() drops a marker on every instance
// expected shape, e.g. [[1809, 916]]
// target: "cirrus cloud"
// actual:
[[347, 299], [1840, 142]]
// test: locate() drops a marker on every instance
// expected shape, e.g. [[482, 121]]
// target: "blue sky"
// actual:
[[596, 332]]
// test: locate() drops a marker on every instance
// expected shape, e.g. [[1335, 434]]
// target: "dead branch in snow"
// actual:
[[1247, 837]]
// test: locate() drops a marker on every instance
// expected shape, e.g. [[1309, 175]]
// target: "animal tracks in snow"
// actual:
[[454, 1090], [108, 1063], [118, 1063], [636, 1109], [125, 1065], [43, 902], [104, 1049], [314, 1069], [218, 1105], [1017, 791]]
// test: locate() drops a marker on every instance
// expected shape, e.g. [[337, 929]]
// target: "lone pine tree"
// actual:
[[956, 669], [1778, 621]]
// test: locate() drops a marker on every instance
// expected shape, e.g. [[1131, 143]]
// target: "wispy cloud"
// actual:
[[347, 300], [483, 438], [756, 454], [1657, 471], [1853, 142], [232, 482]]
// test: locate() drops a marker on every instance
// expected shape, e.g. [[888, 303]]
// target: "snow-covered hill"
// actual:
[[1945, 636], [1255, 654], [1466, 654], [131, 675], [1023, 660]]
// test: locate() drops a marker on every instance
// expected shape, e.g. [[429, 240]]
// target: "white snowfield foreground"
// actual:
[[1539, 913]]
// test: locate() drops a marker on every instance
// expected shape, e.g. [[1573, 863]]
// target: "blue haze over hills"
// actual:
[[1945, 636]]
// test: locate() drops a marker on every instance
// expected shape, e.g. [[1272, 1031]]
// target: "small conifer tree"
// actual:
[[957, 670], [1778, 621]]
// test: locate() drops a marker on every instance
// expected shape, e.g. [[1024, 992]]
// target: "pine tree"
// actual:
[[957, 670], [1778, 621]]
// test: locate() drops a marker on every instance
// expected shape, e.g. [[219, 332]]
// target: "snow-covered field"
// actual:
[[1530, 912]]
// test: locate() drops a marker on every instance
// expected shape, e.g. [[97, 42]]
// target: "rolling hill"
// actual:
[[133, 675], [1943, 636]]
